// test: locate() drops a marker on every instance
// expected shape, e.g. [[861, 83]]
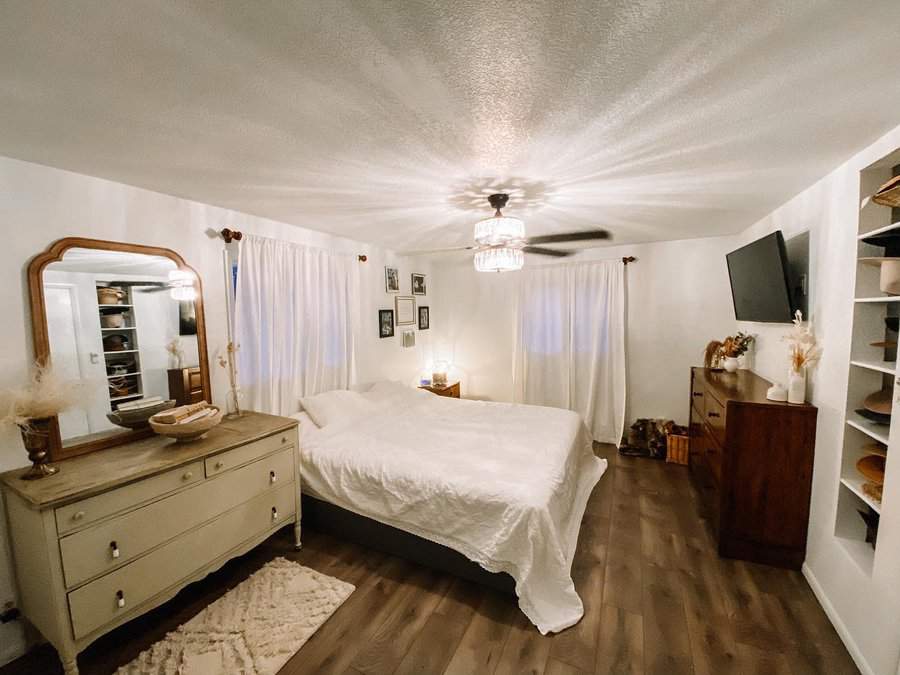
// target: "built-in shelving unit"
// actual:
[[872, 368], [131, 381]]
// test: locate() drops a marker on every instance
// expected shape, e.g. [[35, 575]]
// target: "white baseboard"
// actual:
[[836, 621]]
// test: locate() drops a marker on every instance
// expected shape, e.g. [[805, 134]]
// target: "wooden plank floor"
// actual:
[[657, 600]]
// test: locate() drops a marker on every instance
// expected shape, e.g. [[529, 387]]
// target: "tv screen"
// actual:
[[760, 283]]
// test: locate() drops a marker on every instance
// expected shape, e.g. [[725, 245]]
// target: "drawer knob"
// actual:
[[188, 475], [697, 393], [713, 414], [219, 464], [78, 515], [120, 599], [114, 549], [272, 477], [274, 513], [284, 439]]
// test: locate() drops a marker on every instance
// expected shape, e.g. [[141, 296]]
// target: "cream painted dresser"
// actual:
[[118, 532]]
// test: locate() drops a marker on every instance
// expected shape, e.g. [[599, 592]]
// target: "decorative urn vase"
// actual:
[[731, 363], [36, 437]]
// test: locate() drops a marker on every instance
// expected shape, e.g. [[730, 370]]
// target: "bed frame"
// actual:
[[326, 517]]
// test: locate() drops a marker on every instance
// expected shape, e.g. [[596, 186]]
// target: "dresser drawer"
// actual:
[[715, 418], [250, 452], [92, 509], [97, 603], [108, 545]]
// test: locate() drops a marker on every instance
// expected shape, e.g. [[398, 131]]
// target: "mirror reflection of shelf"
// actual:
[[888, 367], [121, 351], [120, 328], [874, 430], [110, 377], [855, 485]]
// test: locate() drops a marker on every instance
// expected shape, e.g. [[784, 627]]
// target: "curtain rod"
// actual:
[[233, 235], [627, 259]]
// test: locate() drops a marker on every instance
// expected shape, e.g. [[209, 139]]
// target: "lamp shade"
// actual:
[[499, 259]]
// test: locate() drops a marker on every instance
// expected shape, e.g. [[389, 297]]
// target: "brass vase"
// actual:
[[36, 437]]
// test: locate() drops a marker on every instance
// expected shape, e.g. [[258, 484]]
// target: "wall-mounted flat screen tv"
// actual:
[[760, 281]]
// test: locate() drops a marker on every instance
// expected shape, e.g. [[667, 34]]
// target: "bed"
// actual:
[[505, 485]]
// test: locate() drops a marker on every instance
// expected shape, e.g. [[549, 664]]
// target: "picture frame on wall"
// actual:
[[385, 323], [406, 310], [424, 317], [409, 338], [418, 284], [391, 280]]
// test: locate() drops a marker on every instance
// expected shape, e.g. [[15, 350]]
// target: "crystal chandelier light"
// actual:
[[499, 259]]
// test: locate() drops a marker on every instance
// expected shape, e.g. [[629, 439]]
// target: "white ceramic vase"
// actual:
[[796, 386], [731, 363]]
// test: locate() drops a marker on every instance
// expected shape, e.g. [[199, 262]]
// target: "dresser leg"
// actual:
[[297, 543]]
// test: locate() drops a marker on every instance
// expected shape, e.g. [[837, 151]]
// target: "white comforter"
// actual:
[[505, 485]]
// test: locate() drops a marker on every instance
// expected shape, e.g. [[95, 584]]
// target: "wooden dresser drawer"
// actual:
[[715, 418], [97, 603], [108, 545], [250, 452], [92, 509]]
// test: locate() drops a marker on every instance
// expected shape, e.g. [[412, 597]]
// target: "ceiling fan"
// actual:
[[500, 241]]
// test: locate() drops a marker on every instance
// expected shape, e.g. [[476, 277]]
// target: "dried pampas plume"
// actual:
[[47, 395]]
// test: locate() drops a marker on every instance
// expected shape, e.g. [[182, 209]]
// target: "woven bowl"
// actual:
[[138, 419], [190, 431]]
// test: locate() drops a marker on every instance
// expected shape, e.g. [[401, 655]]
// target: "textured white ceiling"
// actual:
[[389, 121]]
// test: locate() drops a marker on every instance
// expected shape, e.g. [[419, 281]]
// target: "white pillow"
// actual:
[[389, 389], [339, 405]]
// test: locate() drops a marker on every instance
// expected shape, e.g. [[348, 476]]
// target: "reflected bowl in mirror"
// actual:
[[188, 431], [115, 343], [138, 419], [112, 320], [109, 295]]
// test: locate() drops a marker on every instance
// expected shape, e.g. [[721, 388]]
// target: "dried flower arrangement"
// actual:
[[229, 362], [175, 349], [804, 349], [31, 408], [732, 346]]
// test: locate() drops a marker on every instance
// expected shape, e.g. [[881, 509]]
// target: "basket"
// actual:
[[189, 431], [677, 448], [889, 193]]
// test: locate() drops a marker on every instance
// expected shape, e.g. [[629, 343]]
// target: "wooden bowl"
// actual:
[[879, 402], [191, 431]]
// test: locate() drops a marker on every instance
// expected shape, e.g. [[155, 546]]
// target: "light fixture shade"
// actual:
[[498, 230], [500, 259], [181, 286]]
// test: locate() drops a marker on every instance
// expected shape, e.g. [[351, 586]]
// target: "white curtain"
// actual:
[[570, 342], [296, 310]]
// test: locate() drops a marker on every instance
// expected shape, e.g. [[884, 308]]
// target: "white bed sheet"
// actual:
[[506, 485]]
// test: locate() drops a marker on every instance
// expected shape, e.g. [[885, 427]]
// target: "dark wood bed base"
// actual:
[[326, 517]]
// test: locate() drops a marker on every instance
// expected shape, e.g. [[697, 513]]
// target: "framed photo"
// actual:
[[409, 338], [406, 310], [385, 323], [391, 280], [187, 318], [424, 318], [418, 284]]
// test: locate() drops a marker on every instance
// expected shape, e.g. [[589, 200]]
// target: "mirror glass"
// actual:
[[118, 321]]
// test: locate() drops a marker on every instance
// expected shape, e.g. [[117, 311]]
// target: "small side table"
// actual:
[[450, 390]]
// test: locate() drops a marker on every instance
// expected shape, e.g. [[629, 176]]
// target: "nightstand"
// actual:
[[450, 390]]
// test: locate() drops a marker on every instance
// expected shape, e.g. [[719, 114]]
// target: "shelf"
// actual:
[[883, 298], [854, 484], [121, 351], [115, 306], [863, 554], [121, 328], [888, 367], [109, 377], [113, 399], [880, 432], [880, 230]]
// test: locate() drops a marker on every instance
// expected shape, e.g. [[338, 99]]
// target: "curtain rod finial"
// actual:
[[362, 258], [628, 259], [231, 235]]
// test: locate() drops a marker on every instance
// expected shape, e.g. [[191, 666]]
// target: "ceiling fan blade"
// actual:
[[153, 289], [554, 252], [568, 236], [437, 250]]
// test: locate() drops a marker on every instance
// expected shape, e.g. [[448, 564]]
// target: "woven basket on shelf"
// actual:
[[677, 448], [889, 193]]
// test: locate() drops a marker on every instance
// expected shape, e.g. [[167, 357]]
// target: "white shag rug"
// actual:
[[253, 629]]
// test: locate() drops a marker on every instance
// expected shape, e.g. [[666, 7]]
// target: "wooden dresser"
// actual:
[[186, 385], [752, 461], [118, 532], [450, 390]]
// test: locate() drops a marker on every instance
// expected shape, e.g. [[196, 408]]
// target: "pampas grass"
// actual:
[[47, 395]]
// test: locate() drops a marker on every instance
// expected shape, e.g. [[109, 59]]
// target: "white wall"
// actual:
[[39, 205], [864, 608], [679, 299]]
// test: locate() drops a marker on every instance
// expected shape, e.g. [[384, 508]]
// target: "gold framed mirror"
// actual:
[[125, 319]]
